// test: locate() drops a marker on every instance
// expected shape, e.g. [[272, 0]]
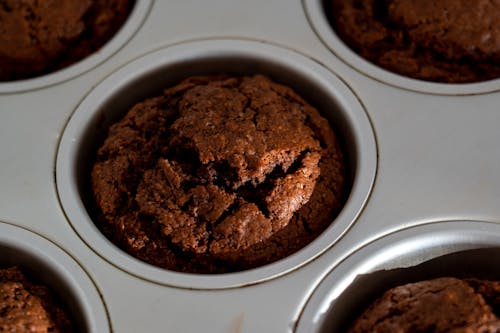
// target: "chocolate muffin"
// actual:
[[41, 36], [26, 306], [452, 41], [440, 305], [218, 174]]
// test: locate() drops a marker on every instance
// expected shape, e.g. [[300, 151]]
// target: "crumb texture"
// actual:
[[218, 174], [41, 36], [452, 41], [29, 307], [435, 306]]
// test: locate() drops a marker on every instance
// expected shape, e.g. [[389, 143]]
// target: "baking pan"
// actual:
[[419, 154]]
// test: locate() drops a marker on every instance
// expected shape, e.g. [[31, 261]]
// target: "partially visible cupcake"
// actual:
[[41, 36], [452, 41], [218, 174], [434, 306], [26, 306]]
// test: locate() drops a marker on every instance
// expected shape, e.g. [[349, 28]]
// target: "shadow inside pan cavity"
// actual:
[[366, 288], [41, 273], [320, 16], [152, 83], [148, 76], [74, 60]]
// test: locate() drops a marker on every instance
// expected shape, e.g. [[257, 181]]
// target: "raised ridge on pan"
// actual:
[[318, 19], [151, 73], [460, 249], [52, 266], [122, 36]]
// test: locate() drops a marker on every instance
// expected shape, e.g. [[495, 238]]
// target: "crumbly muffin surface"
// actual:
[[40, 36], [218, 174], [29, 307], [434, 306], [452, 41]]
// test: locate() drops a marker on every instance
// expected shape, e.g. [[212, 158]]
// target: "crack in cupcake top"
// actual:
[[218, 174], [225, 164]]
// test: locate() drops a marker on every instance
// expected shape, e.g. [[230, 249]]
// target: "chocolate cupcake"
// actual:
[[39, 37], [26, 306], [218, 174], [434, 306], [451, 41]]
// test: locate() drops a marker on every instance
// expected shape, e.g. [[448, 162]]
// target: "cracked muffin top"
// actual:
[[453, 41], [29, 307], [435, 306], [218, 174], [42, 36]]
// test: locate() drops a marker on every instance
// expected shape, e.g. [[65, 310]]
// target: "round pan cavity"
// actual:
[[148, 76], [316, 14], [48, 264], [462, 249], [129, 28]]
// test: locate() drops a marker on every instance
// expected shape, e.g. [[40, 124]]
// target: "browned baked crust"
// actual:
[[26, 306], [445, 41], [218, 174], [434, 306], [38, 37]]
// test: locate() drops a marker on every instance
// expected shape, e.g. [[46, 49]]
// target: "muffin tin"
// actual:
[[421, 154]]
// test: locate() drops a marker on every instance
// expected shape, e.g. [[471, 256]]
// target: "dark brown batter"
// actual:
[[29, 307], [452, 41], [435, 306], [218, 174], [41, 36]]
